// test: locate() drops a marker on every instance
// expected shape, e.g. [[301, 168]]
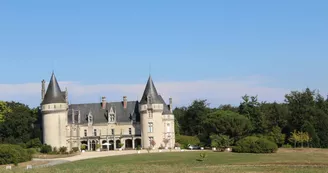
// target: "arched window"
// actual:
[[95, 132]]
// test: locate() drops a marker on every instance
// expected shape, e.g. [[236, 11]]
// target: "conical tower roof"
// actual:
[[53, 94], [150, 93]]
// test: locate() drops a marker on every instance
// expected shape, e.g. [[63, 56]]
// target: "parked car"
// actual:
[[193, 147]]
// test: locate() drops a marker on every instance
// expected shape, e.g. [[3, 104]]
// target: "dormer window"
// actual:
[[112, 118], [90, 118]]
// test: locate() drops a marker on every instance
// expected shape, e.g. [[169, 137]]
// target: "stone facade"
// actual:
[[110, 125]]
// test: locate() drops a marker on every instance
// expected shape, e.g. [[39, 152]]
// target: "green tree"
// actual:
[[295, 138], [19, 124], [221, 141], [228, 123], [250, 107], [276, 136], [195, 117], [4, 109]]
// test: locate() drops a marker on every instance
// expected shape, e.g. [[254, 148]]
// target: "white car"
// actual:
[[193, 147]]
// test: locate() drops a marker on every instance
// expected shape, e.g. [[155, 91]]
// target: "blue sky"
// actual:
[[278, 45]]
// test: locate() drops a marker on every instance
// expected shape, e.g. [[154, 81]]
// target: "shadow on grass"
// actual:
[[199, 160]]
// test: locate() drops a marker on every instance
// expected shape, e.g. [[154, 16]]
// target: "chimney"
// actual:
[[125, 102], [73, 117], [43, 89], [103, 102], [171, 106], [79, 118], [66, 95]]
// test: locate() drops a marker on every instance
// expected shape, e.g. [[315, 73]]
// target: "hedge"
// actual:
[[13, 154], [252, 144], [185, 140]]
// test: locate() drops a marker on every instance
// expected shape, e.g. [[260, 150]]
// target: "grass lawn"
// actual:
[[286, 160]]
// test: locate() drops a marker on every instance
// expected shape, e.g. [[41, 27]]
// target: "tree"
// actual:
[[195, 117], [276, 136], [222, 141], [19, 124], [250, 107], [4, 109], [180, 125], [228, 123], [295, 138]]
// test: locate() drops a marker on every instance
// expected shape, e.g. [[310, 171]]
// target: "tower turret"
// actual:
[[151, 109], [54, 115]]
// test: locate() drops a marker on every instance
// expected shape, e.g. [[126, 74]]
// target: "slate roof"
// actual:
[[166, 109], [101, 116], [53, 94], [150, 92]]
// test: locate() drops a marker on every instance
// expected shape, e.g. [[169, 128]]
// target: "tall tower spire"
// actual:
[[53, 94], [150, 94]]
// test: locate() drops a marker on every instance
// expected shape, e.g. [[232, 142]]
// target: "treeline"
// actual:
[[18, 124], [19, 135], [302, 120]]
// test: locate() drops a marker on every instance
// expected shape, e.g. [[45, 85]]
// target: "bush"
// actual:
[[185, 140], [254, 144], [46, 149], [287, 146], [32, 151], [13, 154], [75, 149], [62, 150], [138, 147], [34, 143], [177, 145]]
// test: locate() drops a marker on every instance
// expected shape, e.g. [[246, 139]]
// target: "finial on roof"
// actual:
[[149, 69]]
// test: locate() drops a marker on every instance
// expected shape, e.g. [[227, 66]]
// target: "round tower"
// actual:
[[54, 109], [151, 109]]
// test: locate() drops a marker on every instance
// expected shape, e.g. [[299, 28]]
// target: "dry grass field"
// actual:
[[286, 160]]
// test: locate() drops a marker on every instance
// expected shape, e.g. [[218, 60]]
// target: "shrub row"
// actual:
[[185, 140], [14, 154], [252, 144]]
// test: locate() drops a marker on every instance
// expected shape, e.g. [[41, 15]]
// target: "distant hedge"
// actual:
[[252, 144], [13, 154], [185, 140]]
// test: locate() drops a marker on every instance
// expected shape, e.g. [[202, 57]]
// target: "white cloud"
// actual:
[[222, 91]]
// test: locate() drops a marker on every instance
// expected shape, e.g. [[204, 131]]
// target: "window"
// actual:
[[54, 106], [85, 133], [168, 127], [95, 132], [111, 118], [150, 114], [90, 119], [150, 127], [130, 131], [113, 132]]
